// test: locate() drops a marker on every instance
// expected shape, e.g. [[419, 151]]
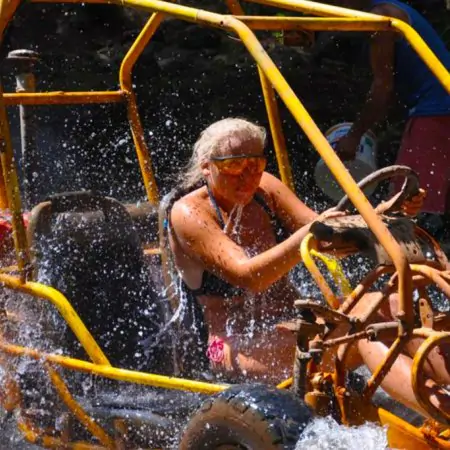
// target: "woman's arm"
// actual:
[[200, 237]]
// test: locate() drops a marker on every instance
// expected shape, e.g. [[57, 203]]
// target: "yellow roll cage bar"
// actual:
[[272, 82]]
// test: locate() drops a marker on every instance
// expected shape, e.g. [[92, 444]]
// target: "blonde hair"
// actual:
[[215, 137]]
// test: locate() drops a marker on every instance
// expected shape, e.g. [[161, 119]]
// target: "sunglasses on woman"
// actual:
[[236, 164]]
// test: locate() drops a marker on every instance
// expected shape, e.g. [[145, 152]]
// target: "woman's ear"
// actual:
[[206, 170]]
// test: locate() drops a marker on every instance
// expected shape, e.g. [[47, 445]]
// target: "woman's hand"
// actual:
[[413, 206], [329, 214]]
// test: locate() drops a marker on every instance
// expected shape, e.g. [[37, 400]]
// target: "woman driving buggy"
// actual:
[[226, 225]]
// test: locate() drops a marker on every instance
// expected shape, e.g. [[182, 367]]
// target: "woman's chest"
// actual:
[[253, 229]]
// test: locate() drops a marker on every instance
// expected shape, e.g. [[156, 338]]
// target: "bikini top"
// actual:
[[212, 284]]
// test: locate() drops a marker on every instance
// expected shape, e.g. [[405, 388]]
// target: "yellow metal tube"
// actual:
[[425, 333], [432, 274], [418, 375], [65, 308], [104, 2], [7, 10], [421, 48], [279, 143], [126, 85], [13, 192], [316, 23], [285, 384], [305, 250], [314, 8], [65, 395], [3, 193], [182, 12], [114, 373], [64, 98], [136, 49], [145, 163], [37, 436], [189, 14]]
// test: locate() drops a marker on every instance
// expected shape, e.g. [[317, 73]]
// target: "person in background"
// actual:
[[396, 67]]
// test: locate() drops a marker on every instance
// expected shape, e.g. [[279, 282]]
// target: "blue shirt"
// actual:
[[416, 85]]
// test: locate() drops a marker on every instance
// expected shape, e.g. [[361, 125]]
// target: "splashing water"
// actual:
[[326, 434], [232, 227]]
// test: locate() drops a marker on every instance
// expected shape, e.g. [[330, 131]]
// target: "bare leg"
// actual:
[[397, 382], [270, 358], [438, 361]]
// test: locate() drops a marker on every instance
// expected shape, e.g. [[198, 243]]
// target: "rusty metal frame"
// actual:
[[429, 272]]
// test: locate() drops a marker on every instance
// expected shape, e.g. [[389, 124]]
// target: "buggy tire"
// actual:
[[247, 417]]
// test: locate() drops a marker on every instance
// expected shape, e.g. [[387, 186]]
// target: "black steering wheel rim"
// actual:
[[409, 189]]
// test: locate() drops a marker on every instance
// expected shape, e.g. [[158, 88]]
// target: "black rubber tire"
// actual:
[[247, 417]]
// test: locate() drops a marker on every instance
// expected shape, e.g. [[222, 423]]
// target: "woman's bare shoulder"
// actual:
[[191, 207], [192, 198], [286, 203], [273, 186]]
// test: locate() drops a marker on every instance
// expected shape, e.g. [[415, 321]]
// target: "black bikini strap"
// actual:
[[277, 225], [216, 206], [259, 198]]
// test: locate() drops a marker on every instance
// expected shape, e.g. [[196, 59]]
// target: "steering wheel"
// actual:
[[409, 189]]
